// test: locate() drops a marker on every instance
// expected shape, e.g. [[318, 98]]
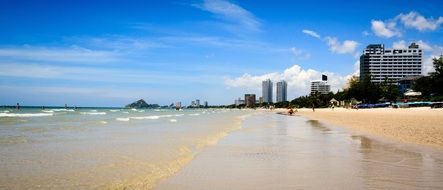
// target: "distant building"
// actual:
[[197, 103], [282, 91], [206, 104], [260, 99], [391, 64], [239, 102], [250, 100], [405, 84], [267, 91], [193, 104], [321, 87]]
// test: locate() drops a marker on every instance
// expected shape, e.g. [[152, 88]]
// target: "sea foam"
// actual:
[[122, 118], [93, 113], [25, 114]]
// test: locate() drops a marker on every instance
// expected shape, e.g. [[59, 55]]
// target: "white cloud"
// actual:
[[431, 51], [399, 44], [383, 29], [365, 33], [417, 21], [348, 46], [97, 74], [311, 33], [300, 54], [232, 13], [412, 19], [73, 54], [423, 45], [298, 80]]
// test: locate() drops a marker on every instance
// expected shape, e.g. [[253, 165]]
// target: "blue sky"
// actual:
[[109, 53]]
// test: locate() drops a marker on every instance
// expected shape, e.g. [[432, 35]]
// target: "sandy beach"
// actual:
[[273, 151], [413, 125]]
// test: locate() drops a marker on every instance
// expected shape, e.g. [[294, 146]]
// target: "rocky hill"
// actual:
[[142, 104]]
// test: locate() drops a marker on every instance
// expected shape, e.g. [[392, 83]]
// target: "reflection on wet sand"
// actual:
[[317, 125], [296, 154]]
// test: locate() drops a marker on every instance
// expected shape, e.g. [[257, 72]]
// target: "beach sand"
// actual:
[[413, 125], [273, 151]]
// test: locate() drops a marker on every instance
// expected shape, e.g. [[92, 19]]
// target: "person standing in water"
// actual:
[[17, 106]]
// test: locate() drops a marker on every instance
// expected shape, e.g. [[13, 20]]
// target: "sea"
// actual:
[[105, 148], [166, 149]]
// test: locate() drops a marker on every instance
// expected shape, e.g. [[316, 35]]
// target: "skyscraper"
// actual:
[[282, 91], [267, 91], [393, 64]]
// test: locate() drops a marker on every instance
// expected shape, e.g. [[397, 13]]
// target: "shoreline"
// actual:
[[423, 126]]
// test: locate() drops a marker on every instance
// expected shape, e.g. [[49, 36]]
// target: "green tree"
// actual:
[[431, 86], [389, 90]]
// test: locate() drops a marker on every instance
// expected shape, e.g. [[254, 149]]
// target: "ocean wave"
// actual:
[[103, 122], [125, 112], [64, 110], [114, 110], [133, 109], [146, 117], [179, 115], [122, 118], [48, 111], [93, 113], [194, 114], [173, 120], [6, 111], [25, 114]]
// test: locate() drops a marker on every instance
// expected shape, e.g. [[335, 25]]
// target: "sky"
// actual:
[[111, 53]]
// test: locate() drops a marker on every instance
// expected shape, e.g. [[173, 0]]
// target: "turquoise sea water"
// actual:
[[104, 148]]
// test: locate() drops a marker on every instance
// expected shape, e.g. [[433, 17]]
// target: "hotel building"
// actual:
[[321, 86], [391, 64]]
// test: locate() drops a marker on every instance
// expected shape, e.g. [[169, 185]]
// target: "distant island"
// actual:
[[142, 104]]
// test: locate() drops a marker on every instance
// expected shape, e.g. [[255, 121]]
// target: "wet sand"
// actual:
[[414, 125], [274, 151]]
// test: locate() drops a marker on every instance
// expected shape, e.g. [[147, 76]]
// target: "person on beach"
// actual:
[[290, 111], [313, 108], [18, 106]]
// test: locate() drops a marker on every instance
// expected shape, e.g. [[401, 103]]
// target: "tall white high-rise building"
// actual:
[[391, 64], [267, 91], [282, 91]]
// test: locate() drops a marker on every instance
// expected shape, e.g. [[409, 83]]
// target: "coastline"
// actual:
[[423, 126]]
